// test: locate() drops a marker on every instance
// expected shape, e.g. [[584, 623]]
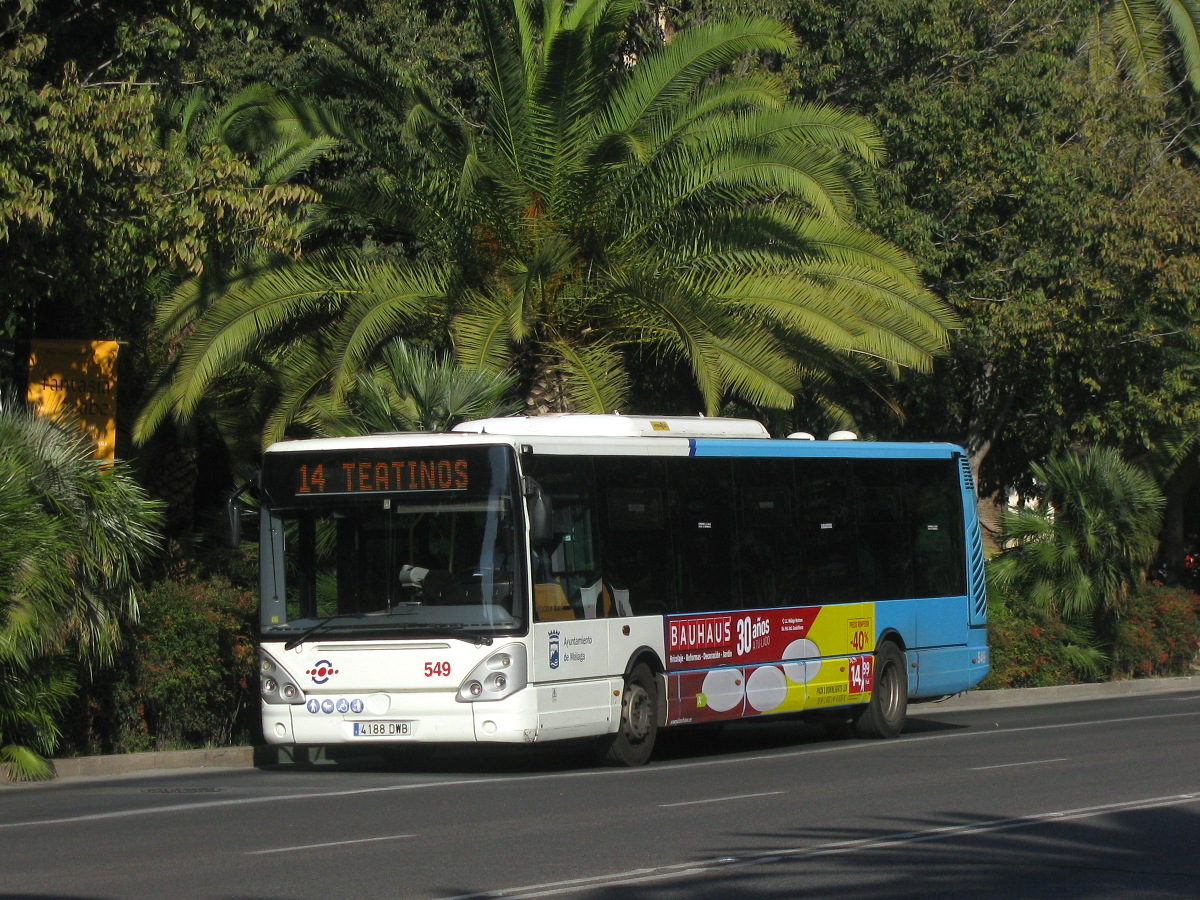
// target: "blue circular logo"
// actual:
[[314, 706], [356, 706], [326, 706], [342, 705]]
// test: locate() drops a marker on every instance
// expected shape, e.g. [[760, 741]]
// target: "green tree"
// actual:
[[92, 204], [603, 202], [74, 535], [1081, 552]]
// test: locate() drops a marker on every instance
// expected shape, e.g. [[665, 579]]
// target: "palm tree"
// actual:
[[73, 535], [602, 203], [413, 389], [1087, 544]]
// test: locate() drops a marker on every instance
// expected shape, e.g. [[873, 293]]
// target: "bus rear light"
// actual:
[[500, 675]]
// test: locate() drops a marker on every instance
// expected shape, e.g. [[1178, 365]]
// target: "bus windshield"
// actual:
[[371, 549]]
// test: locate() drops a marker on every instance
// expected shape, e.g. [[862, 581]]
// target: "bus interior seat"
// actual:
[[597, 601], [550, 603]]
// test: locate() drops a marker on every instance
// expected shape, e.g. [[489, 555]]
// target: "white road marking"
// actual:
[[720, 799], [642, 772], [1031, 762], [370, 840], [683, 870]]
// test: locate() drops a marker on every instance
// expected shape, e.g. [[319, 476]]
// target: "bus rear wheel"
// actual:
[[883, 717], [634, 740]]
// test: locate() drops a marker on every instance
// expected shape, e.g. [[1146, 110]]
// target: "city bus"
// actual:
[[541, 578]]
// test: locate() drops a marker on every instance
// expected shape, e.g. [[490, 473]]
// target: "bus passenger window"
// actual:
[[935, 514], [885, 544], [635, 546], [702, 515], [827, 534], [769, 552]]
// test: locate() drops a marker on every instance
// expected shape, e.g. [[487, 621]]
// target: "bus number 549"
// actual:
[[437, 669]]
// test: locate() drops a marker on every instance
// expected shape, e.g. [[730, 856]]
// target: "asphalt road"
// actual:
[[1096, 798]]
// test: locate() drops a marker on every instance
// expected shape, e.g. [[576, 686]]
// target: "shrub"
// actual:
[[1028, 647], [1160, 633], [194, 662]]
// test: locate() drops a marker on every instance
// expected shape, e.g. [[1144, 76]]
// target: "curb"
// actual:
[[248, 757], [1058, 694], [120, 764], [154, 761]]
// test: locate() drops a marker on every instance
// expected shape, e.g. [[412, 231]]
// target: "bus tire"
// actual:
[[633, 741], [883, 717]]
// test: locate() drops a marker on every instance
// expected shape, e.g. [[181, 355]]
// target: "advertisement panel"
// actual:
[[79, 377], [745, 663]]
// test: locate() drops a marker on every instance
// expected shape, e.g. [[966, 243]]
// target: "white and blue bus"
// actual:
[[541, 578]]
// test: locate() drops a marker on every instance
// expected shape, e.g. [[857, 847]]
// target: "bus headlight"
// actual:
[[275, 684], [500, 675]]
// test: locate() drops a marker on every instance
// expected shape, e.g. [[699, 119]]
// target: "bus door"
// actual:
[[571, 606]]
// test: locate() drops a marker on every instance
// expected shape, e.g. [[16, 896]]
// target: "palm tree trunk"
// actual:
[[547, 393]]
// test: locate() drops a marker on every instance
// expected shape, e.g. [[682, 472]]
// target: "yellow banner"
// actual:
[[80, 377]]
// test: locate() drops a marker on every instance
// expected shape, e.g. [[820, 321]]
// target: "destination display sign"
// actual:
[[300, 476]]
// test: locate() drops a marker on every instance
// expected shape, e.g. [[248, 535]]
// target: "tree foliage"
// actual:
[[107, 183], [602, 205], [1047, 201]]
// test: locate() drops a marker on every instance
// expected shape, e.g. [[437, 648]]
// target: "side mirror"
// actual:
[[233, 518], [541, 513]]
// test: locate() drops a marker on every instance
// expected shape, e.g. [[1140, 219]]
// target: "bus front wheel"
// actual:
[[634, 740], [883, 717]]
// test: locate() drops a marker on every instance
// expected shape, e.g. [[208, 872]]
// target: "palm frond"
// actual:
[[1184, 16], [595, 378], [1135, 28]]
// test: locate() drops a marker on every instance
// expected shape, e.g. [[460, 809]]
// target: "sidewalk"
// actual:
[[246, 757], [1062, 694]]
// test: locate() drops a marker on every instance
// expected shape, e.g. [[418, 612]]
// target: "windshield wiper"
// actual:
[[458, 633], [453, 632], [310, 631]]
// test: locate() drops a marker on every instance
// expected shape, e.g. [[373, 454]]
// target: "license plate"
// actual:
[[382, 729]]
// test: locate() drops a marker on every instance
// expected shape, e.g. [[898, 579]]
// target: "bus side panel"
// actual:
[[899, 617], [578, 670], [942, 671], [784, 660], [945, 655], [569, 669], [942, 622]]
